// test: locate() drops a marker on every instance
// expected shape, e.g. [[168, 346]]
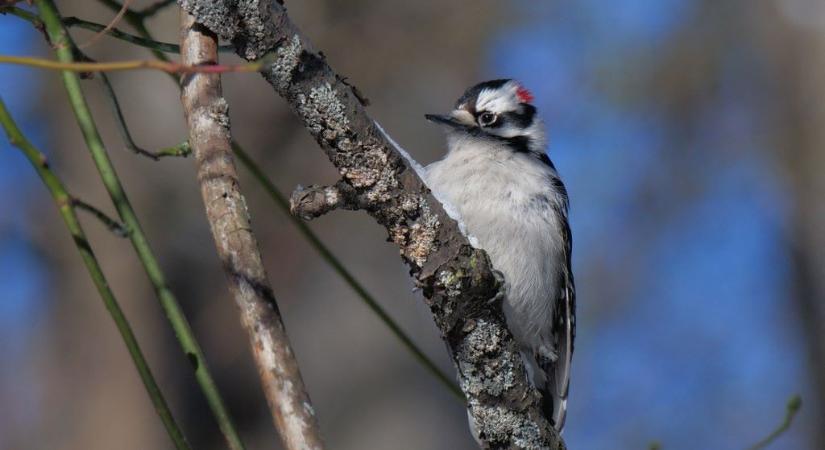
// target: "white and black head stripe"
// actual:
[[522, 117], [470, 97], [511, 122]]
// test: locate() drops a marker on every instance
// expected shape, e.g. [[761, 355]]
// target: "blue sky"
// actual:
[[23, 274], [697, 352]]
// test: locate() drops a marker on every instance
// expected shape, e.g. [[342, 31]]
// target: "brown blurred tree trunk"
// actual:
[[798, 57]]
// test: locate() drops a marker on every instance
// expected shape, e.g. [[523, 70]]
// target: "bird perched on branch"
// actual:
[[498, 178]]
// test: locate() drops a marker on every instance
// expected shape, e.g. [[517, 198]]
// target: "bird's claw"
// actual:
[[499, 297]]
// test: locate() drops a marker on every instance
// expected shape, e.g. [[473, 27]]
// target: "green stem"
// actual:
[[63, 46], [338, 267], [113, 225], [74, 22], [793, 406], [66, 207], [125, 135], [137, 21], [23, 14]]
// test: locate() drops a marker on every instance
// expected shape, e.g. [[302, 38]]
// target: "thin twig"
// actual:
[[207, 116], [138, 22], [23, 14], [113, 225], [178, 150], [181, 150], [792, 407], [64, 204], [169, 67], [64, 49], [141, 14], [121, 121], [74, 22], [108, 27], [155, 8]]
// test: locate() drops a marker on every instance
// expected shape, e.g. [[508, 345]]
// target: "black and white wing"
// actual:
[[557, 373]]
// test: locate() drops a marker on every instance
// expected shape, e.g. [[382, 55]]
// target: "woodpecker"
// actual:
[[498, 178]]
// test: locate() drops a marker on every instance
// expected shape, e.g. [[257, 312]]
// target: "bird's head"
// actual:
[[498, 111]]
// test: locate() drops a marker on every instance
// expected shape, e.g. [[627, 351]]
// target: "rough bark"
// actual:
[[456, 278], [209, 136]]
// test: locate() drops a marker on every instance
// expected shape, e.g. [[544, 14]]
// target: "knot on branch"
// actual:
[[315, 201]]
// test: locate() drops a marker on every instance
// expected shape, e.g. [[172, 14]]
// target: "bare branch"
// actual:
[[113, 225], [209, 136], [114, 66], [456, 278]]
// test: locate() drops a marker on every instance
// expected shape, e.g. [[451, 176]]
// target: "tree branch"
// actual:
[[456, 278], [209, 136], [113, 66]]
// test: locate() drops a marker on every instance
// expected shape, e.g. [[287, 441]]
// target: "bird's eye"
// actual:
[[486, 119]]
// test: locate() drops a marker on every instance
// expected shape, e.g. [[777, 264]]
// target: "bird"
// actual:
[[510, 198]]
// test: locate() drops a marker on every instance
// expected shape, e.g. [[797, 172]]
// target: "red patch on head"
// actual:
[[524, 95]]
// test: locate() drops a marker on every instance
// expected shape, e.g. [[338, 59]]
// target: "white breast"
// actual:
[[507, 200]]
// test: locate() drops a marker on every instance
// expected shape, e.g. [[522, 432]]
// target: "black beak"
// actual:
[[445, 120]]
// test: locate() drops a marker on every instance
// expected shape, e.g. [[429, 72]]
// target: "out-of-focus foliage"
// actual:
[[686, 131]]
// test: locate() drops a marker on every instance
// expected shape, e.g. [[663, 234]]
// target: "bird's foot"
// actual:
[[500, 282]]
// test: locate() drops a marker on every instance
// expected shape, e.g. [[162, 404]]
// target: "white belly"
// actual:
[[507, 201]]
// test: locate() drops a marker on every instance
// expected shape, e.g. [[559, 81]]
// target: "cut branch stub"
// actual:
[[456, 278], [315, 201]]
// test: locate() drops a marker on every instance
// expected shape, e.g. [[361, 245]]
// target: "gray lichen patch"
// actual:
[[219, 16], [422, 240], [323, 112], [259, 29], [500, 426], [286, 59], [409, 203], [219, 112], [450, 282], [484, 366], [369, 170]]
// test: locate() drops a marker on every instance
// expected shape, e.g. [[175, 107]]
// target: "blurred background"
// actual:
[[689, 133]]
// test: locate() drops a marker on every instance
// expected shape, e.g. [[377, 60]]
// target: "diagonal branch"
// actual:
[[456, 278], [113, 66], [209, 136]]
